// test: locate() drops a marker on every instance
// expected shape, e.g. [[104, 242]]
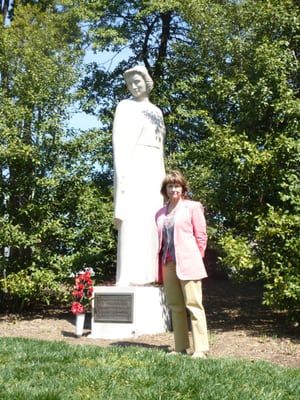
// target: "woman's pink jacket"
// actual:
[[190, 239]]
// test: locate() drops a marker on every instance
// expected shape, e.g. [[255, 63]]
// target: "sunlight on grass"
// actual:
[[40, 370]]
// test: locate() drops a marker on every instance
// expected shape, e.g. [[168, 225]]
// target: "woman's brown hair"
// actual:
[[175, 178]]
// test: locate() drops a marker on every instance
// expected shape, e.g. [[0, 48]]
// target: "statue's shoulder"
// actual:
[[126, 103], [124, 108]]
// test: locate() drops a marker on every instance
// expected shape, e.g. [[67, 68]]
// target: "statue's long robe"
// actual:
[[138, 138]]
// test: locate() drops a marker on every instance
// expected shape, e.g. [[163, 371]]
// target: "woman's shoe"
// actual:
[[199, 354], [172, 353]]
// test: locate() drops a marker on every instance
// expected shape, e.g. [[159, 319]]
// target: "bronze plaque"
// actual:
[[116, 307]]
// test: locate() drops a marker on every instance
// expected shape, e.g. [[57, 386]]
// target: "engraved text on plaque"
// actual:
[[117, 307]]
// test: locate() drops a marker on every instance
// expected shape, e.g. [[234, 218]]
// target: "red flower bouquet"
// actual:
[[82, 293]]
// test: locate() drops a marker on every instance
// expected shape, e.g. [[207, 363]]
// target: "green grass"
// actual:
[[41, 370]]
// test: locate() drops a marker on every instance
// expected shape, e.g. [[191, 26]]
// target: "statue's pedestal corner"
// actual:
[[129, 311]]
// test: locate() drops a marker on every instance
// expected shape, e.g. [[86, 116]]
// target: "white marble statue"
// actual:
[[138, 138]]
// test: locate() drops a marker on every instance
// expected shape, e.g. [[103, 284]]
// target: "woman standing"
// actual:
[[182, 235], [138, 138]]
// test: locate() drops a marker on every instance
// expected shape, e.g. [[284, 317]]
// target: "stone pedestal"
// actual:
[[125, 312]]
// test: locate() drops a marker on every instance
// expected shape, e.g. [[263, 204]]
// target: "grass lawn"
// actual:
[[42, 370]]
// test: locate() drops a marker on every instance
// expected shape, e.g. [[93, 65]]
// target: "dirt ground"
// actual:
[[239, 327]]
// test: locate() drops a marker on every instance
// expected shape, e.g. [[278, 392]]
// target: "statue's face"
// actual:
[[137, 86]]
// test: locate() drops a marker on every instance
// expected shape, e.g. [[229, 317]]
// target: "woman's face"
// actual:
[[137, 86], [174, 191]]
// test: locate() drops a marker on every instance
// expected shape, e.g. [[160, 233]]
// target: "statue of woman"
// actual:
[[138, 138]]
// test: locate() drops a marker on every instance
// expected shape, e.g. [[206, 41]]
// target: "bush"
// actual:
[[34, 285]]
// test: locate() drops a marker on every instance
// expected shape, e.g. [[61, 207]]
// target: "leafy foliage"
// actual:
[[52, 205], [243, 95]]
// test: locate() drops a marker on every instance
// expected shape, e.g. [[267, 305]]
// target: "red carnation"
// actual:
[[82, 292], [77, 308]]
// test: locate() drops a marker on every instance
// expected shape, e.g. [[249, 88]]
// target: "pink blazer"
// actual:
[[190, 239]]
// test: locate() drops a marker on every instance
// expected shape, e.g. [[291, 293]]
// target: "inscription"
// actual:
[[117, 307]]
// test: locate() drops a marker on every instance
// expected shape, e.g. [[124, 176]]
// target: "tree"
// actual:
[[145, 31], [241, 106], [49, 196]]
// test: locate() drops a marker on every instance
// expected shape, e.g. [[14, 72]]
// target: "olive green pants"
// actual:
[[182, 296]]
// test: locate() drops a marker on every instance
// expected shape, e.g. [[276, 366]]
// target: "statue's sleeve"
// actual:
[[125, 131], [119, 160], [119, 140]]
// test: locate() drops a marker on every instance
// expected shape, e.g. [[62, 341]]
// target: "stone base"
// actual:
[[124, 312]]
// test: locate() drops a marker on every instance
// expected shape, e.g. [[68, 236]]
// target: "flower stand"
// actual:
[[82, 294], [79, 324]]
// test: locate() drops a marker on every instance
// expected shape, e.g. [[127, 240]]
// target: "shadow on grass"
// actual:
[[144, 345]]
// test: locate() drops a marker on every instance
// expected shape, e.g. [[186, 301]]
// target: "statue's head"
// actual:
[[141, 70]]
